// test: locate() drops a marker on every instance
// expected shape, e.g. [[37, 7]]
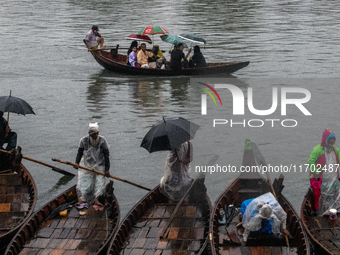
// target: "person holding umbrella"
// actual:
[[176, 179], [7, 135], [173, 135], [178, 59]]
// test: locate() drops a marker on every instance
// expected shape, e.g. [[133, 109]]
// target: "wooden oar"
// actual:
[[98, 172], [45, 164], [211, 162], [261, 161]]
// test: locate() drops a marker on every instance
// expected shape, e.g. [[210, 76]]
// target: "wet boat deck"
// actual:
[[326, 231], [14, 201], [74, 234], [231, 242], [185, 234]]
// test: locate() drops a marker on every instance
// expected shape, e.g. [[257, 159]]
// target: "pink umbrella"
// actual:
[[136, 37]]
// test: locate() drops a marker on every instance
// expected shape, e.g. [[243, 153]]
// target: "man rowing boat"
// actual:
[[93, 152]]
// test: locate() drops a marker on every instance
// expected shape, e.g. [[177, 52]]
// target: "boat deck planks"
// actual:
[[18, 196], [72, 234], [324, 232], [186, 232], [140, 232]]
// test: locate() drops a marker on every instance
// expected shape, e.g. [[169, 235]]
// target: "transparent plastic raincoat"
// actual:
[[324, 159], [262, 207], [176, 178], [90, 184], [330, 188]]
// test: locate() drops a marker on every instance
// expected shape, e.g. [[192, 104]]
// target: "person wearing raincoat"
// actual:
[[93, 152], [324, 174], [176, 179], [264, 215]]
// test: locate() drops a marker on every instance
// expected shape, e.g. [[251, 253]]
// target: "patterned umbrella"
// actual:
[[173, 39], [152, 30]]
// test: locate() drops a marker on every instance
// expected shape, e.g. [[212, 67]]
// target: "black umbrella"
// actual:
[[169, 134], [15, 104]]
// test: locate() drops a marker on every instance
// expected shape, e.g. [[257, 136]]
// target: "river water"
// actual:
[[44, 61]]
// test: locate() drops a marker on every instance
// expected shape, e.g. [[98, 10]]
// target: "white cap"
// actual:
[[93, 128]]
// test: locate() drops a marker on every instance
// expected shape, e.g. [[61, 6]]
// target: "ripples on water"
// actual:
[[44, 61]]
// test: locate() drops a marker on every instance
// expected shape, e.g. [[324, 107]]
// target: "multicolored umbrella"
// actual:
[[173, 39], [152, 30], [192, 38], [136, 37]]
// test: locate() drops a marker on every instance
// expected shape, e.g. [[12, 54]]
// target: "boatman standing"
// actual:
[[91, 39], [93, 152], [324, 176]]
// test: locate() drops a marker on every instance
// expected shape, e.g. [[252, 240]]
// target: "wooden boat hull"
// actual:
[[324, 233], [84, 234], [117, 63], [18, 197], [139, 232], [228, 239]]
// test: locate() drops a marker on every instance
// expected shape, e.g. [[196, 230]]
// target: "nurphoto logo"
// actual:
[[238, 104]]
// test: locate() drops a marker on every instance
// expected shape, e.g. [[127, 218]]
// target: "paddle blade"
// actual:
[[62, 171]]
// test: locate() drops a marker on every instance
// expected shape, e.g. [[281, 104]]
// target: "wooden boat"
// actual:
[[18, 196], [226, 238], [46, 232], [112, 61], [140, 231], [324, 233]]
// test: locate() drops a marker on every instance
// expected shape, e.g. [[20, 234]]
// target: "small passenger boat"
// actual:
[[225, 233], [112, 61], [85, 232], [147, 229], [18, 196], [324, 233]]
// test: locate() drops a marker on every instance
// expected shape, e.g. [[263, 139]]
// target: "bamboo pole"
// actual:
[[98, 172]]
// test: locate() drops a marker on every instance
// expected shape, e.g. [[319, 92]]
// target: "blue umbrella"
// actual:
[[173, 39], [193, 38]]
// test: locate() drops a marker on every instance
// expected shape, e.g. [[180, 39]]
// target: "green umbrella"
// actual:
[[173, 39], [192, 38]]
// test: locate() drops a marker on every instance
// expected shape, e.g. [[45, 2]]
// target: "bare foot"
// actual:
[[103, 47]]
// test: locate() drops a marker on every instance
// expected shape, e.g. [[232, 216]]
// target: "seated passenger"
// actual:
[[197, 60], [157, 53], [178, 59], [133, 44], [132, 58], [143, 55], [263, 214]]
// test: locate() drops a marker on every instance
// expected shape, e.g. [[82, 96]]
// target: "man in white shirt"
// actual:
[[91, 41]]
